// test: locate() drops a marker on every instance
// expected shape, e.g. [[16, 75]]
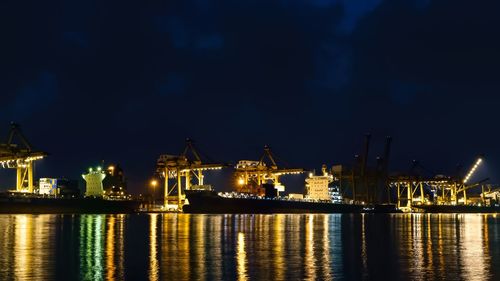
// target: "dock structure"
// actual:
[[361, 183], [178, 172], [250, 175], [20, 156], [414, 189], [373, 185]]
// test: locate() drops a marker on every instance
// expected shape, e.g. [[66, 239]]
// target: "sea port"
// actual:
[[258, 186], [249, 140], [324, 140], [373, 189], [105, 189]]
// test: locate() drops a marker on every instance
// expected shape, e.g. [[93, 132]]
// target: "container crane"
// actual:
[[187, 165], [251, 175], [20, 157]]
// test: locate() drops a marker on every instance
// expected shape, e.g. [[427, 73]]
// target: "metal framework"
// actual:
[[22, 158], [182, 169], [410, 190], [251, 175], [447, 192], [362, 183]]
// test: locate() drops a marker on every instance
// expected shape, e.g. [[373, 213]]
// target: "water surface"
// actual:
[[250, 247]]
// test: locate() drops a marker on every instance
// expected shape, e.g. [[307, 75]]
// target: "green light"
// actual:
[[99, 168], [90, 169]]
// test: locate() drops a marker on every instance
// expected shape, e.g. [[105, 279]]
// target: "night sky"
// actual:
[[125, 81]]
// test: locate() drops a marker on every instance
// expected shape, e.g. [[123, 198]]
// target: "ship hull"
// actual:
[[66, 206], [457, 209], [208, 202]]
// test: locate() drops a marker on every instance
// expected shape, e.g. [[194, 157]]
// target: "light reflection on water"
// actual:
[[249, 247], [29, 238], [309, 245], [153, 248], [241, 258]]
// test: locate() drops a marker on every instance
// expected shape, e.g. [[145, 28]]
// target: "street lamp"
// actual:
[[153, 184]]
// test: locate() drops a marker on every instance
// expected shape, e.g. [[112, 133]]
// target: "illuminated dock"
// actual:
[[21, 157]]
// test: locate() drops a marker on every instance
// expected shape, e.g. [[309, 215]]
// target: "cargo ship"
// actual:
[[319, 197], [62, 196], [212, 202], [30, 204]]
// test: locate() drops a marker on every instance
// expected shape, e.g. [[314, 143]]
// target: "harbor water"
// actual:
[[250, 247]]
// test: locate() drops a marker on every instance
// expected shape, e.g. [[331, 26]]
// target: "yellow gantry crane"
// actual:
[[250, 175], [410, 191], [19, 157], [448, 190], [181, 170]]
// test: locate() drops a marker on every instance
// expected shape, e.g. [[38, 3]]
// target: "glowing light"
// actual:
[[309, 255], [153, 248], [90, 170], [99, 168], [241, 181], [473, 170], [111, 168], [154, 183], [110, 249], [241, 257]]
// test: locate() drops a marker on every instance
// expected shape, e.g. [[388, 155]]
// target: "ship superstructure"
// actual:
[[317, 186], [93, 181]]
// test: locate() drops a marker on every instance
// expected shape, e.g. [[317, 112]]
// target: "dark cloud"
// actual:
[[124, 81], [32, 98]]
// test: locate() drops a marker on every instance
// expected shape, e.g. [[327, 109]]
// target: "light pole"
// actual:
[[153, 184]]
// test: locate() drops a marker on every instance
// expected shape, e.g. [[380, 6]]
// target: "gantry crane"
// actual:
[[410, 188], [250, 175], [187, 165], [20, 157]]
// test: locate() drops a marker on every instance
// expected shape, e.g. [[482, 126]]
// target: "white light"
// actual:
[[474, 168]]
